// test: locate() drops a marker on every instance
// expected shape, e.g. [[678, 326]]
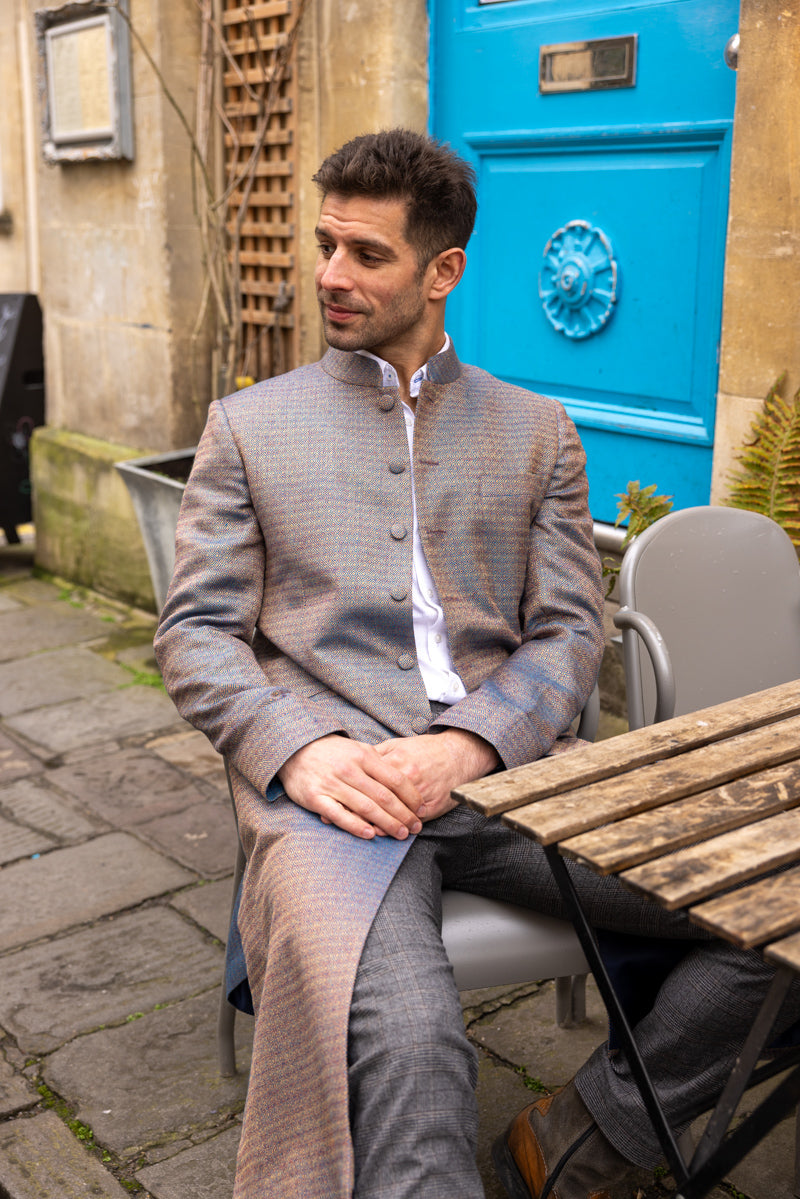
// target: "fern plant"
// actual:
[[641, 507], [768, 478]]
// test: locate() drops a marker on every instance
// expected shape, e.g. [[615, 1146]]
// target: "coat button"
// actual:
[[419, 725], [406, 662], [398, 593], [386, 403], [397, 468], [399, 532]]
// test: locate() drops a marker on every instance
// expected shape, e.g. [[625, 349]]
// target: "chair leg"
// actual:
[[226, 1018], [226, 1023], [797, 1152], [570, 1000]]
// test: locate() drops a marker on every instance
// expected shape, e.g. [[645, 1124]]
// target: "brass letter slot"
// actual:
[[588, 66]]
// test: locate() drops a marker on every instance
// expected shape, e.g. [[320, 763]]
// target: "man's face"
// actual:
[[371, 291]]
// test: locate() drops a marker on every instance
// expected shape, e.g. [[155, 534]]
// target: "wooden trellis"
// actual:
[[259, 108]]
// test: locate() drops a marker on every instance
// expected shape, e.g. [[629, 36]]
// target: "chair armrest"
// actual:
[[590, 716], [629, 619]]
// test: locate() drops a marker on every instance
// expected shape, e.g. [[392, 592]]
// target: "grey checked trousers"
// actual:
[[411, 1070]]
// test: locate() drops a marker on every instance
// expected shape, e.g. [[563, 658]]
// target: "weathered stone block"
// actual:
[[103, 975], [41, 1159], [147, 1081], [103, 876], [85, 526], [205, 1171]]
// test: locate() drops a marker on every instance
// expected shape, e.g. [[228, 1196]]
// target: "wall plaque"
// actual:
[[605, 63], [85, 84]]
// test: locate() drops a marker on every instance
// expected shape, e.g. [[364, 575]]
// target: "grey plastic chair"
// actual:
[[490, 943], [710, 610]]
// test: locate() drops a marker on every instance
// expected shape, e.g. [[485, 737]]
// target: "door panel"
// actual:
[[595, 271]]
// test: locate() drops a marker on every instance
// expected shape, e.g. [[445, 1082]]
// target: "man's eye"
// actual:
[[325, 250], [370, 259]]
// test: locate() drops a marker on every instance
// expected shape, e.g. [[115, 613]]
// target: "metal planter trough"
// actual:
[[156, 485]]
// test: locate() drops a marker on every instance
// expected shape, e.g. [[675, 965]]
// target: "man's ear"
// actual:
[[445, 270]]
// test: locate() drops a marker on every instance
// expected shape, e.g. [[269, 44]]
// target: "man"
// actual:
[[385, 587]]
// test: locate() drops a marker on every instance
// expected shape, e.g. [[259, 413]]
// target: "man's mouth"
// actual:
[[338, 313]]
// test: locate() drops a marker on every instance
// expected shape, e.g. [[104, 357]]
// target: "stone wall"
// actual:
[[761, 312], [363, 66], [120, 261], [119, 282], [18, 264]]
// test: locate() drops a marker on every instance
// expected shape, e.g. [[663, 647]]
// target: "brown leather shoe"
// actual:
[[554, 1150]]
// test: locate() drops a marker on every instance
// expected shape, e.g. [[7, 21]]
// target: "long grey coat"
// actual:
[[289, 617]]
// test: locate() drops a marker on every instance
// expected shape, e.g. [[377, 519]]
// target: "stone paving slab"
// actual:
[[147, 1081], [126, 786], [777, 1148], [29, 801], [551, 1054], [209, 905], [95, 879], [501, 1094], [202, 837], [15, 1093], [34, 591], [101, 975], [52, 678], [194, 753], [17, 842], [15, 762], [46, 626], [41, 1159], [7, 604], [205, 1171], [131, 711]]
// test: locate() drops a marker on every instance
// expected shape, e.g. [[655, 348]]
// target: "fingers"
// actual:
[[349, 785]]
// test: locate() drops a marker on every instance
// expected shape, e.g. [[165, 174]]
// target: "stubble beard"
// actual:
[[372, 331]]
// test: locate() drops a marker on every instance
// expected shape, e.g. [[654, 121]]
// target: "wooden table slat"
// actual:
[[651, 786], [605, 759], [680, 879], [754, 914], [661, 830], [785, 952]]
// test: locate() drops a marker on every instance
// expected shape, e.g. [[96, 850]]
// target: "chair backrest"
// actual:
[[722, 585]]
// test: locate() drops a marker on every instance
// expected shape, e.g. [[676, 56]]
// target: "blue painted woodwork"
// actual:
[[648, 168], [578, 281]]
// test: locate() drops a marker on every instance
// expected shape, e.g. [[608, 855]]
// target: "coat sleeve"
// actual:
[[527, 703], [204, 640]]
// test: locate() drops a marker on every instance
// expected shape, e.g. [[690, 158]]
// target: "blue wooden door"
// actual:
[[600, 131]]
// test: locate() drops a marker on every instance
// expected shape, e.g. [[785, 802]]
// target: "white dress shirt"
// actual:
[[430, 632]]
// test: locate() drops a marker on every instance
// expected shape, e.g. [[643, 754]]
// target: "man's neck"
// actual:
[[404, 370]]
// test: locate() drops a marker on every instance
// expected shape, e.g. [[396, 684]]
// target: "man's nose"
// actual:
[[334, 275]]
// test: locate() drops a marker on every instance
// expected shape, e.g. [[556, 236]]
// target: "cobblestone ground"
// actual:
[[116, 852]]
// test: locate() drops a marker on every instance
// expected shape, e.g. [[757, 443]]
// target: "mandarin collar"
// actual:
[[359, 371]]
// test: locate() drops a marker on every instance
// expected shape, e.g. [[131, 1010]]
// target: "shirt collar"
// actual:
[[390, 374]]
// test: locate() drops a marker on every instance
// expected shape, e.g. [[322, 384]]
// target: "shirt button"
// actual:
[[430, 593], [406, 662], [438, 638], [397, 468], [399, 532], [419, 725], [386, 403], [399, 594]]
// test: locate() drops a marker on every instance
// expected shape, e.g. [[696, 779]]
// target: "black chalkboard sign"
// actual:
[[21, 404]]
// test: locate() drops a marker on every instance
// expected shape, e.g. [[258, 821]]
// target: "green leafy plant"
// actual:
[[768, 478], [641, 507]]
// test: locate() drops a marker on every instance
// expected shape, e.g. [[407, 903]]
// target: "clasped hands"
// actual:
[[389, 789]]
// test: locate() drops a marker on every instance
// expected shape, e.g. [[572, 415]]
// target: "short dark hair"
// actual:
[[437, 185]]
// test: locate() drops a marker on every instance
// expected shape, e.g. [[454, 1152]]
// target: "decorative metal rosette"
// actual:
[[578, 280]]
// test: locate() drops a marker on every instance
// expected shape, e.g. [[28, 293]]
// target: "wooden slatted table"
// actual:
[[695, 813]]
